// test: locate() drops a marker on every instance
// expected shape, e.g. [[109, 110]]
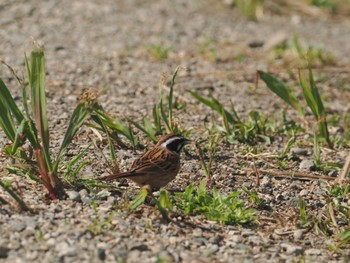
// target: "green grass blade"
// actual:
[[314, 102], [6, 122], [170, 98], [10, 103], [36, 76], [139, 200], [157, 119], [282, 90], [164, 117], [80, 114], [9, 190]]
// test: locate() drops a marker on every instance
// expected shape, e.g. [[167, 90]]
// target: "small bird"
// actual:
[[158, 166]]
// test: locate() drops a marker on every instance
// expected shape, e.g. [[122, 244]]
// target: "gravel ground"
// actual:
[[104, 45]]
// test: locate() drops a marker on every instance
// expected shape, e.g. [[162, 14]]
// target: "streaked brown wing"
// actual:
[[156, 161]]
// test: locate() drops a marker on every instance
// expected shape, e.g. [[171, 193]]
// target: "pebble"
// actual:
[[83, 192], [64, 249], [4, 252], [313, 251], [291, 249], [86, 200], [303, 192], [103, 195], [306, 165], [298, 234], [73, 195], [299, 151]]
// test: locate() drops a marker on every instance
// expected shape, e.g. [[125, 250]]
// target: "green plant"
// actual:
[[306, 220], [158, 51], [215, 206], [163, 116], [21, 126], [311, 96], [327, 4], [255, 128], [6, 185], [211, 146], [149, 128], [250, 8], [97, 226]]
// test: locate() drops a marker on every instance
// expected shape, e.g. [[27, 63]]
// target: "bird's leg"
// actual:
[[162, 211]]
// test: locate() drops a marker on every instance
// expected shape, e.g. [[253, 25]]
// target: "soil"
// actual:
[[106, 46]]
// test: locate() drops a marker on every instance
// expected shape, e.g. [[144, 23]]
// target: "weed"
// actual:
[[311, 95], [158, 51], [6, 185], [214, 206], [163, 116], [97, 226], [250, 8], [211, 146], [21, 126], [254, 129]]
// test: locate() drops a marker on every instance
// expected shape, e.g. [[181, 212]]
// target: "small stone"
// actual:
[[304, 192], [83, 192], [18, 226], [64, 249], [333, 173], [4, 252], [213, 249], [103, 194], [291, 249], [265, 181], [86, 200], [298, 234], [141, 247], [200, 240], [31, 223], [306, 165], [74, 195], [298, 151], [313, 251], [101, 253]]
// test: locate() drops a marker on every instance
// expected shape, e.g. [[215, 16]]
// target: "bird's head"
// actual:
[[173, 143]]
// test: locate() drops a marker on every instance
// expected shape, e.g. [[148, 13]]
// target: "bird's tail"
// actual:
[[115, 176]]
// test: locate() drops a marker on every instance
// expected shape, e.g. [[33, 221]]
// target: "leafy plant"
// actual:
[[163, 116], [250, 8], [229, 209], [6, 185], [311, 96], [158, 51], [211, 146], [233, 128], [21, 126]]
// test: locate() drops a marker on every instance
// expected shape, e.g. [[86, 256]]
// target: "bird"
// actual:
[[158, 166]]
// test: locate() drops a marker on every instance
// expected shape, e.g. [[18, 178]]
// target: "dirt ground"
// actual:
[[110, 46]]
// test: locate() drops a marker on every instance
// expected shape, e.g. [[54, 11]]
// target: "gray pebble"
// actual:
[[64, 249], [298, 151], [18, 226], [306, 165], [291, 249], [86, 200], [4, 252], [303, 192], [103, 194], [73, 195], [298, 234], [313, 251], [83, 192]]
